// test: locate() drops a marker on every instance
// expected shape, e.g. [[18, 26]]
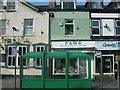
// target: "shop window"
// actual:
[[77, 68], [83, 65], [69, 27], [2, 27], [95, 27], [118, 27], [58, 66], [28, 26], [10, 5], [38, 61]]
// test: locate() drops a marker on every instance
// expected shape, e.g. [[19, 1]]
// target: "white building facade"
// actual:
[[23, 25]]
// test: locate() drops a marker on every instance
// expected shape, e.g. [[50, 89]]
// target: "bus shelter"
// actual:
[[58, 70]]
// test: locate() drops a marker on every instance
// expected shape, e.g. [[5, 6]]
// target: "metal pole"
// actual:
[[101, 73], [118, 77], [15, 62]]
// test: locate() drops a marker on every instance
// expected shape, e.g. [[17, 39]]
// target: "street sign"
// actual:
[[98, 54], [117, 57]]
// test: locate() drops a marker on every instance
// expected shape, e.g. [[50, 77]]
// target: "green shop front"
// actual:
[[67, 70]]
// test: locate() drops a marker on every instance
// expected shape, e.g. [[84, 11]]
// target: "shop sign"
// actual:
[[105, 45], [73, 44], [98, 54], [9, 40]]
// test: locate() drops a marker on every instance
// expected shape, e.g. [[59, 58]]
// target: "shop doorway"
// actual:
[[107, 64]]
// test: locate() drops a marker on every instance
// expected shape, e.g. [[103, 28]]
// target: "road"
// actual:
[[111, 84]]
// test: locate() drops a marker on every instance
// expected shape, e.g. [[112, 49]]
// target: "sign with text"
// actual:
[[107, 45], [98, 54], [73, 44]]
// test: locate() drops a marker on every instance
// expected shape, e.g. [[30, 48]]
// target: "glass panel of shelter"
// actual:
[[31, 72], [77, 68]]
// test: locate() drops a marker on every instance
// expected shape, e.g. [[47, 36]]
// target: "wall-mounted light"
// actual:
[[51, 14], [106, 26], [15, 29], [61, 24]]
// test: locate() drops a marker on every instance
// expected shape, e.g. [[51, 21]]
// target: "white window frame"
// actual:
[[62, 2], [95, 27], [18, 56], [70, 24], [3, 28], [25, 26], [13, 56], [116, 27], [40, 63], [11, 5]]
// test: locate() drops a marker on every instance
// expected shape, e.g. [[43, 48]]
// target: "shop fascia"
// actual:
[[107, 45], [11, 40], [73, 44]]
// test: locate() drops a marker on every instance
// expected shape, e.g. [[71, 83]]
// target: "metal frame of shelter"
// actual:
[[53, 83]]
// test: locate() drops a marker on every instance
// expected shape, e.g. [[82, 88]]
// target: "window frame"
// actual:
[[18, 56], [1, 5], [10, 5], [99, 27], [13, 56], [62, 5], [40, 60], [117, 27], [1, 28], [73, 24], [26, 26]]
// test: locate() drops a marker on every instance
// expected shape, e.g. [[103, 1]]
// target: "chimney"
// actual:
[[52, 3]]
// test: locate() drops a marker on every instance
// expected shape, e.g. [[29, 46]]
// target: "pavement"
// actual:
[[8, 82]]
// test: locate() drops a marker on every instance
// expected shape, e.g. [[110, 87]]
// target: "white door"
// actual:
[[108, 27]]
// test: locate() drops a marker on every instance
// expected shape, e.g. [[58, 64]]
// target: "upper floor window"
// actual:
[[68, 5], [118, 27], [69, 27], [1, 4], [96, 5], [95, 27], [2, 27], [10, 5], [28, 26]]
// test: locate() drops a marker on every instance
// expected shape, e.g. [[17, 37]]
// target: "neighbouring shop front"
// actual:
[[108, 50], [87, 47]]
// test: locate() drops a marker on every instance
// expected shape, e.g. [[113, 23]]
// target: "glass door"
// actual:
[[108, 64]]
